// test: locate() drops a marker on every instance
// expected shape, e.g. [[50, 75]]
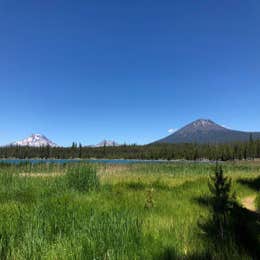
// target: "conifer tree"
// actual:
[[220, 187], [251, 147], [80, 150]]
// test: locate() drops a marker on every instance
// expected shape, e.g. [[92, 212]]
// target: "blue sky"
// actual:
[[126, 70]]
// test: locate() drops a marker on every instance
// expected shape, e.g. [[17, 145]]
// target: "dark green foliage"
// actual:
[[149, 203], [258, 202], [83, 178], [136, 185], [4, 245], [167, 254], [220, 187], [231, 230], [15, 189], [246, 230], [231, 151]]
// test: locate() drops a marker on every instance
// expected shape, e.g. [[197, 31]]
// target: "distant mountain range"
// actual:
[[106, 143], [35, 140], [38, 140], [199, 131], [207, 131]]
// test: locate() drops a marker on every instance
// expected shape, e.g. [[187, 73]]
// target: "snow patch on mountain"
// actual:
[[35, 140], [105, 143]]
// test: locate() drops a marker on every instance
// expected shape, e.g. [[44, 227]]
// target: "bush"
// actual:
[[83, 178]]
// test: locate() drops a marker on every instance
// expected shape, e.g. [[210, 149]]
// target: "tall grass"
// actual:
[[99, 212], [83, 178]]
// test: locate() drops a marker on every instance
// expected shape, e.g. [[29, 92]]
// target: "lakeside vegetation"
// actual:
[[258, 202], [224, 152], [133, 211]]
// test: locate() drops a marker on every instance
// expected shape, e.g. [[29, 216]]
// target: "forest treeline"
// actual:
[[245, 150]]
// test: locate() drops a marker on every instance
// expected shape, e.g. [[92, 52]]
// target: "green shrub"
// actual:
[[83, 178], [257, 201]]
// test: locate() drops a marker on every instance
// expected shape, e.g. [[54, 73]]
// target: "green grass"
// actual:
[[79, 211], [258, 201], [82, 178]]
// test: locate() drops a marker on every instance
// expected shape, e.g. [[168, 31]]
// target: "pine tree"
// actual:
[[251, 147], [220, 187], [80, 150]]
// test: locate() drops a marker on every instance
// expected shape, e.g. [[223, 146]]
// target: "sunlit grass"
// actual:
[[45, 218]]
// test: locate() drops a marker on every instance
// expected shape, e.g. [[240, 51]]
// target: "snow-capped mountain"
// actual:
[[35, 140], [105, 143]]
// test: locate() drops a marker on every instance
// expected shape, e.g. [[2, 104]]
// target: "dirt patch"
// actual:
[[249, 203]]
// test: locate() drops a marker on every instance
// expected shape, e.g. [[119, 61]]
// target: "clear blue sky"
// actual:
[[127, 70]]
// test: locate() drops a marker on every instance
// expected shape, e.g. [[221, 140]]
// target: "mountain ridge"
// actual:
[[106, 143], [207, 131], [35, 140]]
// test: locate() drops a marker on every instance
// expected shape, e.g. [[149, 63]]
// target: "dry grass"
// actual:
[[42, 175], [249, 203]]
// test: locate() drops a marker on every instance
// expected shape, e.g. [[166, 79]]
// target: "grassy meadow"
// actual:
[[132, 211]]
